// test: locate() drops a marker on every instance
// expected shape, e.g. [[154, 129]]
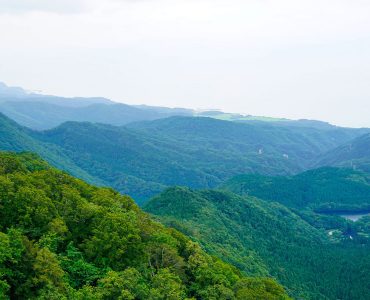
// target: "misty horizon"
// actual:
[[285, 59]]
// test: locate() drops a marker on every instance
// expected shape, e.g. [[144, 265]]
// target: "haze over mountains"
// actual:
[[298, 170], [38, 111]]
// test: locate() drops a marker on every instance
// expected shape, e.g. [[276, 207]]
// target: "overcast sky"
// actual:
[[283, 58]]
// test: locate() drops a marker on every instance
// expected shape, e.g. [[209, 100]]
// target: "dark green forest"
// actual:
[[61, 238], [262, 238], [354, 154], [144, 158], [319, 189]]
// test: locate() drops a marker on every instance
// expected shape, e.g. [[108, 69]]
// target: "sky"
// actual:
[[281, 58]]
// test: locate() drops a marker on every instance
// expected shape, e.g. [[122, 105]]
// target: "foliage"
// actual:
[[354, 154], [143, 158], [61, 238], [267, 238], [319, 189]]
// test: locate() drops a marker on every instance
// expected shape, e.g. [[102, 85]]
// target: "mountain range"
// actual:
[[143, 158], [258, 202]]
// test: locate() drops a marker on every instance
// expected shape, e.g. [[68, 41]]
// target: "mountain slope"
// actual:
[[291, 148], [195, 152], [353, 154], [17, 138], [143, 158], [61, 238], [244, 230], [324, 188]]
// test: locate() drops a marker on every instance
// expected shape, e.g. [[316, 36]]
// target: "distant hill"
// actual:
[[258, 237], [144, 158], [319, 189], [354, 154], [44, 115], [38, 111], [294, 146], [14, 137]]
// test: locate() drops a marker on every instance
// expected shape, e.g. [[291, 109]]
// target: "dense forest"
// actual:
[[146, 157], [61, 238], [267, 238], [354, 154], [319, 189]]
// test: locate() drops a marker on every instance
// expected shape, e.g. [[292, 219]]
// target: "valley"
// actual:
[[271, 204]]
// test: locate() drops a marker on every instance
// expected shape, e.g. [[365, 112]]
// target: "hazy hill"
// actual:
[[44, 112], [40, 111], [353, 154], [294, 147], [245, 230], [324, 188], [41, 115]]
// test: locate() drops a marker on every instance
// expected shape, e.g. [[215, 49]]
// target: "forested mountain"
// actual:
[[320, 189], [143, 158], [61, 238], [267, 238], [353, 154], [14, 137]]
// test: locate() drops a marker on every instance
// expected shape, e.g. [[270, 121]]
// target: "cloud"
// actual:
[[55, 6]]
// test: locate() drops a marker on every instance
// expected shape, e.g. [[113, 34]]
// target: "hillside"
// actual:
[[324, 188], [14, 137], [61, 238], [195, 152], [144, 158], [245, 230], [353, 154], [291, 147]]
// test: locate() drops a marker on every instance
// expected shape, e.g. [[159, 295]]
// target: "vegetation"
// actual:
[[143, 159], [267, 238], [61, 238], [321, 189], [355, 154]]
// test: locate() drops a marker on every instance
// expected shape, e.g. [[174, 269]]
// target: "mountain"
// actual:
[[320, 189], [38, 111], [41, 115], [354, 154], [292, 148], [144, 158], [14, 137], [6, 91], [267, 238], [61, 238]]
